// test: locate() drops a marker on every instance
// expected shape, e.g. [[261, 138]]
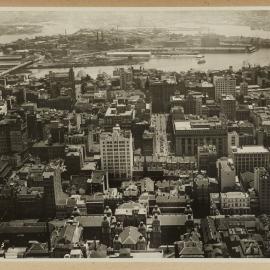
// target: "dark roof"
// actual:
[[22, 226], [170, 199], [97, 177], [172, 220], [90, 221]]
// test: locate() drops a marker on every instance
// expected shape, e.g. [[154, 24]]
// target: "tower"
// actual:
[[142, 229], [106, 232], [156, 233], [116, 242]]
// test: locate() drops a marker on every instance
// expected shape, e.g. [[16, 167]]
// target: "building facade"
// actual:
[[191, 134], [246, 158], [228, 107], [262, 186], [234, 203], [226, 173], [116, 150], [225, 85]]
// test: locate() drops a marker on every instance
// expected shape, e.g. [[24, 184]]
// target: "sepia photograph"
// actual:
[[137, 133]]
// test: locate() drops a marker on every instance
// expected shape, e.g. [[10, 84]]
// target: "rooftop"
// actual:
[[234, 195], [250, 149]]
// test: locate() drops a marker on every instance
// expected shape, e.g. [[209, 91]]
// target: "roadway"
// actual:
[[159, 122]]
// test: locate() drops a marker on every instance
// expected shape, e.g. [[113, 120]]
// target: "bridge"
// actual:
[[21, 65]]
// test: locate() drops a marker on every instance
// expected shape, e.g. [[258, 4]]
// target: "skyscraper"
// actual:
[[228, 107], [225, 85], [193, 104], [160, 92], [53, 192], [117, 153], [262, 186]]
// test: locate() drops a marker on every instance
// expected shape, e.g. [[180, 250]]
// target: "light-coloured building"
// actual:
[[193, 133], [226, 173], [116, 149], [224, 85], [3, 107], [119, 114], [233, 140], [234, 203], [126, 78], [246, 158]]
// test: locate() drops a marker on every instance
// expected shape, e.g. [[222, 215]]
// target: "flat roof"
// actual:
[[232, 195], [250, 149], [182, 125]]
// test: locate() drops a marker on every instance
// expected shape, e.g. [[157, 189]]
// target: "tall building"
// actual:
[[155, 240], [193, 133], [207, 158], [4, 137], [126, 79], [53, 192], [117, 153], [228, 107], [233, 140], [226, 174], [74, 158], [225, 85], [193, 104], [262, 186], [148, 143], [160, 92], [244, 88], [13, 135], [246, 158]]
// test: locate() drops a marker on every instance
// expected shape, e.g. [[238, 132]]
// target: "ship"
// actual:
[[251, 49], [199, 56], [201, 61]]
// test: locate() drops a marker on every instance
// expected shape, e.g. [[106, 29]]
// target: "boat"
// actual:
[[251, 49], [201, 61], [199, 56]]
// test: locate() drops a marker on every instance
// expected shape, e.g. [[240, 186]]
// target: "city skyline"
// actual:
[[134, 133]]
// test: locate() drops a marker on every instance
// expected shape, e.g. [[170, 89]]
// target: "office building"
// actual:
[[207, 158], [193, 133], [54, 196], [246, 158], [13, 135], [119, 113], [148, 139], [234, 203], [262, 186], [116, 149], [226, 174], [225, 85], [74, 158], [233, 140], [160, 92], [193, 104], [126, 79], [228, 107], [244, 88]]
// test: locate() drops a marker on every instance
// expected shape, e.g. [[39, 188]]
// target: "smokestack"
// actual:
[[48, 236], [176, 250]]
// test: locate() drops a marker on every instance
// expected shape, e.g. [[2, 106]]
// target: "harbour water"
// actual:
[[182, 63]]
